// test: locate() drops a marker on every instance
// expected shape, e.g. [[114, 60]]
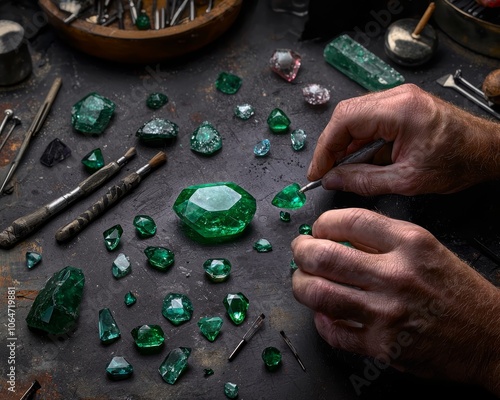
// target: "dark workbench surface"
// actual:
[[73, 367]]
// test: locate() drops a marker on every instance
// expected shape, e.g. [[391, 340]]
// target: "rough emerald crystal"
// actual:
[[129, 299], [290, 197], [361, 65], [156, 100], [143, 22], [262, 246], [219, 210], [174, 364], [159, 257], [32, 258], [55, 152], [228, 83], [145, 226], [108, 329], [217, 269], [57, 306], [244, 111], [278, 121], [286, 63], [262, 148], [305, 229], [236, 306], [177, 308], [285, 216], [208, 372], [157, 130], [315, 94], [94, 160], [119, 368], [210, 327], [112, 237], [348, 244], [271, 357], [231, 390], [293, 265], [121, 266], [206, 139], [148, 337], [92, 114], [298, 137]]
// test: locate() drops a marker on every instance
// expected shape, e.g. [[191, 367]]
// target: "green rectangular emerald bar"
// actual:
[[361, 65]]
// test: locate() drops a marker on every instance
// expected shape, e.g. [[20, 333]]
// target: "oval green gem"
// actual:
[[217, 269], [177, 308], [271, 357], [236, 306], [145, 226], [305, 229], [159, 257], [290, 197]]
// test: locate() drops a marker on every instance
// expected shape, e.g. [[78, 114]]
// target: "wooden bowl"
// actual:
[[131, 45]]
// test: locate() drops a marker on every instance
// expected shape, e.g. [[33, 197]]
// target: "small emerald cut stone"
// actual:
[[285, 216], [228, 83], [305, 229], [271, 357], [293, 265], [159, 257], [177, 308], [112, 237], [119, 368], [244, 111], [148, 337], [156, 100], [206, 139], [32, 258], [290, 197], [262, 148], [129, 299], [262, 246], [91, 115], [236, 305], [143, 22], [298, 137], [278, 121], [210, 327], [145, 226], [208, 372], [156, 130], [231, 390], [121, 266], [93, 161], [174, 364], [217, 269], [108, 329]]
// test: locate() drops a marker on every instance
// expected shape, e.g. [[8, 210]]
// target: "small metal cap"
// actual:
[[15, 58]]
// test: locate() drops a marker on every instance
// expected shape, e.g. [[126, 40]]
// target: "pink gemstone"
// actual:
[[316, 94], [285, 63]]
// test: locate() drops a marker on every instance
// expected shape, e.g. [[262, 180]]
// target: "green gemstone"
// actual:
[[121, 266], [119, 369], [148, 337], [143, 22], [94, 160], [217, 269], [263, 246], [244, 111], [298, 137], [228, 83], [361, 65], [278, 121], [348, 244], [271, 357], [108, 329], [210, 327], [174, 364], [231, 390], [208, 372], [145, 226], [159, 257], [92, 114], [290, 197], [206, 139], [156, 100], [218, 211], [112, 237], [32, 258], [157, 130], [305, 229], [236, 305], [57, 306], [293, 265], [129, 299], [285, 216], [177, 308]]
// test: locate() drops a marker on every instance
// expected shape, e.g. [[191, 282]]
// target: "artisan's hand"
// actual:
[[422, 309], [438, 148]]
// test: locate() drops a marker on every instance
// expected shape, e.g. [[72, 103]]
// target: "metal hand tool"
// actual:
[[294, 351], [248, 335], [155, 13], [192, 12], [210, 5], [8, 115], [17, 121], [30, 393], [133, 11]]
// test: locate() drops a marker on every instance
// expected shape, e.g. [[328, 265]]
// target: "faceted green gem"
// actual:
[[278, 121], [271, 357], [156, 100], [92, 114], [244, 111], [174, 364], [298, 137], [112, 237], [108, 329], [208, 372], [359, 64], [121, 266], [217, 269], [143, 22], [94, 160], [305, 229], [32, 258], [157, 130], [177, 308], [231, 390], [293, 265], [290, 197], [236, 306], [145, 226], [159, 257], [228, 83], [210, 327], [285, 216], [148, 337], [56, 308], [119, 369], [263, 246], [262, 148], [206, 139], [216, 210], [129, 299]]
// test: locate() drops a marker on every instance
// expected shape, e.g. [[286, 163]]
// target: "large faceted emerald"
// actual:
[[236, 306], [174, 364], [216, 210], [148, 337], [177, 308], [91, 115], [290, 197]]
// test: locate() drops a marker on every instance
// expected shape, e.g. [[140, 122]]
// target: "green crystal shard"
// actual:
[[112, 237], [216, 210], [298, 138], [293, 265], [157, 130], [108, 329], [159, 257], [129, 299], [217, 269], [236, 305], [361, 65], [228, 83], [121, 266], [32, 258], [290, 197], [143, 22], [156, 100], [119, 368], [263, 246], [210, 327], [177, 308], [57, 306], [93, 161], [285, 216], [244, 111], [348, 244], [231, 390], [208, 371], [278, 121], [174, 364], [271, 357], [206, 139], [148, 337], [145, 226], [305, 229], [91, 115]]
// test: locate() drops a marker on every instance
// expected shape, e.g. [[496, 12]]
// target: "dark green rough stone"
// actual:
[[143, 22], [156, 100], [93, 161], [228, 83], [236, 305], [177, 308], [91, 115], [207, 372], [271, 357], [348, 244], [263, 246], [293, 265], [119, 368], [148, 337], [57, 306], [285, 216], [32, 258], [210, 327], [159, 257], [244, 111], [290, 197], [174, 364], [145, 226], [305, 229], [112, 237], [231, 390], [129, 299], [278, 121], [108, 329], [206, 139], [157, 130]]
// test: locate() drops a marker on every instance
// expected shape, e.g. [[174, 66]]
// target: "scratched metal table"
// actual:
[[73, 366]]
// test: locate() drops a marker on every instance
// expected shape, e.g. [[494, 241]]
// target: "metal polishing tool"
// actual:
[[15, 58]]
